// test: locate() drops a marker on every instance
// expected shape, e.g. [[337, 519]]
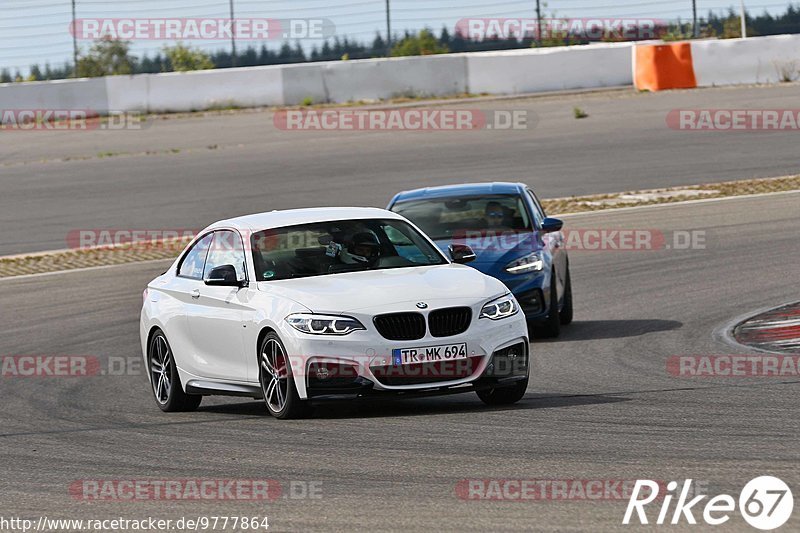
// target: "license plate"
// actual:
[[429, 354]]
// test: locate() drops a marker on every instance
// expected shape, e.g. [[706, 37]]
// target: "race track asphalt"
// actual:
[[601, 404]]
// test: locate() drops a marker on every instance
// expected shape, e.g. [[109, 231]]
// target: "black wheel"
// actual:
[[277, 383], [505, 395], [551, 326], [167, 388], [565, 315]]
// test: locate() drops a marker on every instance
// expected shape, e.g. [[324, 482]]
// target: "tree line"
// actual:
[[109, 57]]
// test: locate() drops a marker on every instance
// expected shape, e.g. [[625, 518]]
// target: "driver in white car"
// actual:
[[363, 250]]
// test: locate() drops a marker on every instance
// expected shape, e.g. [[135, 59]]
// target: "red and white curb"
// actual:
[[777, 330]]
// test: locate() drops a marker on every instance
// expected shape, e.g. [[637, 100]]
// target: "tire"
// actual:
[[164, 379], [277, 383], [551, 326], [566, 313], [505, 395]]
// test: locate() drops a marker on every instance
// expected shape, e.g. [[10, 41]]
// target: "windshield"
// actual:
[[444, 218], [340, 246]]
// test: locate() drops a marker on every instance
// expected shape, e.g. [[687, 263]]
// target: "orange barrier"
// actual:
[[664, 66]]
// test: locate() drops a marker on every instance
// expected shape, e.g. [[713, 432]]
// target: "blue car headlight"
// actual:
[[530, 263], [502, 307], [323, 324]]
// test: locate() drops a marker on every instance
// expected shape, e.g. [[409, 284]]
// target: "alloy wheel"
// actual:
[[160, 372], [274, 375]]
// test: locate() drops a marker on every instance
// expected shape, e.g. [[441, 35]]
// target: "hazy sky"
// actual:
[[37, 31]]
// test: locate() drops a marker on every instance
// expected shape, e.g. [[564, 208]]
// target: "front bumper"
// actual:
[[361, 363], [505, 367]]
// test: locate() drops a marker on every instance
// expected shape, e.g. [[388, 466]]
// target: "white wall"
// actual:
[[717, 62], [85, 94], [303, 81], [192, 91], [128, 93], [740, 61], [374, 79], [400, 76], [549, 69]]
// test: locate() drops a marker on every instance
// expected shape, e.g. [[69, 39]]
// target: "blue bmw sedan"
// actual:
[[512, 237]]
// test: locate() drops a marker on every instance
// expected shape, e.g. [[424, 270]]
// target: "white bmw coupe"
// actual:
[[310, 304]]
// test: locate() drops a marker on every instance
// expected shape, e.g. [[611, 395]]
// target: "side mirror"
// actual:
[[461, 253], [223, 276], [549, 225]]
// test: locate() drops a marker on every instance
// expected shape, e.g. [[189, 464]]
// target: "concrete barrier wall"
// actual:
[[549, 69], [191, 91], [374, 79], [510, 72], [303, 81], [754, 60], [128, 93], [85, 94], [401, 76], [738, 61]]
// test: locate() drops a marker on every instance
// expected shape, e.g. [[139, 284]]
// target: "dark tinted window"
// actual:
[[444, 218], [340, 246]]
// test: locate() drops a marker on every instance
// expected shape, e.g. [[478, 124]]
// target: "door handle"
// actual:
[[196, 293]]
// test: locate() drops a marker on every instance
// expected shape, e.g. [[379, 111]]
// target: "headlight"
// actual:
[[324, 324], [503, 307], [530, 263]]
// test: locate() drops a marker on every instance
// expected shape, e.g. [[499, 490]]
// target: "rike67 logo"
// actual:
[[766, 503]]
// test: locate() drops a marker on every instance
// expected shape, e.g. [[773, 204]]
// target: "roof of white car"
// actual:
[[293, 217]]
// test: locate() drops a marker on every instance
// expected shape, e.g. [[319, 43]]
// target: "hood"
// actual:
[[387, 289], [494, 252]]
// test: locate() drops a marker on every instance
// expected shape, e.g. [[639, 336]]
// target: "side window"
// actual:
[[226, 249], [193, 261], [396, 237], [538, 213]]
